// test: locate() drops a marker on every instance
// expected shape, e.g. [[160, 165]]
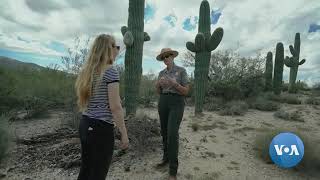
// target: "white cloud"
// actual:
[[249, 25]]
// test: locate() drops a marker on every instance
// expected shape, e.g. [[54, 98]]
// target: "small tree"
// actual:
[[76, 56], [72, 63]]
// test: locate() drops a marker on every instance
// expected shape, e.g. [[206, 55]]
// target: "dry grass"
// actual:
[[289, 116], [284, 98], [234, 108], [264, 104]]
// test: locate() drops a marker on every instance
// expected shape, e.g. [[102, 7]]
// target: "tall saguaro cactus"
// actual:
[[278, 69], [268, 72], [134, 37], [204, 44], [293, 63]]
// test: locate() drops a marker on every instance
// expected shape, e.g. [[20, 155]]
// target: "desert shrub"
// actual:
[[35, 107], [285, 87], [283, 98], [148, 94], [4, 137], [289, 99], [214, 103], [316, 89], [50, 85], [263, 104], [313, 101], [234, 108], [143, 133], [289, 116]]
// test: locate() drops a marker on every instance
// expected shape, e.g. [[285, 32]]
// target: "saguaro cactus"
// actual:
[[293, 63], [204, 44], [268, 72], [134, 37], [278, 69]]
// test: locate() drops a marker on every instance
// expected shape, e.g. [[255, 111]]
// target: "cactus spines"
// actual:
[[134, 38], [203, 45], [293, 63], [278, 69], [268, 72]]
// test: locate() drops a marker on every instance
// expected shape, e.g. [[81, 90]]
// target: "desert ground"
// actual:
[[211, 147]]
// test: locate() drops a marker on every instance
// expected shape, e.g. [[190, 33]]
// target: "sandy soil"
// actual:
[[222, 148]]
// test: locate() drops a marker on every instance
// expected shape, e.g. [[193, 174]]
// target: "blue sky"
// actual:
[[42, 31]]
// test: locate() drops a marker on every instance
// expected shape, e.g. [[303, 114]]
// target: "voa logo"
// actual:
[[286, 150], [292, 150]]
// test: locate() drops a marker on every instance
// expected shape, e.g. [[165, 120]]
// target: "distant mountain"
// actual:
[[9, 63]]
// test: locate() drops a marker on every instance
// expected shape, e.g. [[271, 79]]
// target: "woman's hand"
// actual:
[[162, 82], [124, 141], [173, 82]]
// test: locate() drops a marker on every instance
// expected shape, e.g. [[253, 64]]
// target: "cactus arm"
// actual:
[[200, 42], [124, 29], [215, 39], [292, 50], [297, 44], [288, 62], [128, 39], [191, 47], [146, 36], [302, 61]]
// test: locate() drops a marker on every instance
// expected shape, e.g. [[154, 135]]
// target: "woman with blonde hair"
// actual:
[[97, 88]]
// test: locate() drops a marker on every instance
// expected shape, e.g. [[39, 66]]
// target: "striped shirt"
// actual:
[[98, 106]]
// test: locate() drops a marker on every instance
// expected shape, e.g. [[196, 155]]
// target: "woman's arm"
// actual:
[[117, 111]]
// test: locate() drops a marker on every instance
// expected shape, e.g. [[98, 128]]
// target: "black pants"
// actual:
[[171, 108], [97, 143]]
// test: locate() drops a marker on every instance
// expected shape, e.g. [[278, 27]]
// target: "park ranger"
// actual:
[[172, 85]]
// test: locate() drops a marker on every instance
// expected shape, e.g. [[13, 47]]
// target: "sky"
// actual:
[[42, 31]]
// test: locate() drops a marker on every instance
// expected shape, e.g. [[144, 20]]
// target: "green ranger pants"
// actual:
[[171, 108]]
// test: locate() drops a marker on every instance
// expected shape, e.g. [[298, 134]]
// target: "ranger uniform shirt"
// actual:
[[176, 72]]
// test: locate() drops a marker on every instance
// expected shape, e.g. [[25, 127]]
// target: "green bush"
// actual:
[[36, 88]]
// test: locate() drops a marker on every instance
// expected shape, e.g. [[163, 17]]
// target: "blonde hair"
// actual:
[[99, 58]]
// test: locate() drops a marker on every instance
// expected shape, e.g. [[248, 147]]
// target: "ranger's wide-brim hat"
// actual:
[[166, 51]]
